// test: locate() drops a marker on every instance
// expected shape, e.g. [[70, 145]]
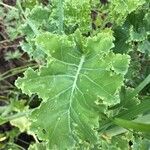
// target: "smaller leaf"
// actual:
[[121, 63], [39, 14], [141, 127], [22, 123], [2, 120]]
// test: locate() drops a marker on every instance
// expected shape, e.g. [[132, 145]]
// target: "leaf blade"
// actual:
[[69, 113]]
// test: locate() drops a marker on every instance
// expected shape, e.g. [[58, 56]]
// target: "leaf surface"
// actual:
[[80, 73], [120, 9]]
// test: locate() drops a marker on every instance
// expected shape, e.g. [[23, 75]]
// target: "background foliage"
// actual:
[[86, 74]]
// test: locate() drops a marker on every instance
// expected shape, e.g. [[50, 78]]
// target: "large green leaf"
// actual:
[[81, 72], [77, 14], [120, 9], [68, 15]]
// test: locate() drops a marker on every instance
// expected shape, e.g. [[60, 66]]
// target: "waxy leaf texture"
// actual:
[[81, 73]]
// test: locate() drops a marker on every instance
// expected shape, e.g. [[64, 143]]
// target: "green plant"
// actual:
[[87, 80]]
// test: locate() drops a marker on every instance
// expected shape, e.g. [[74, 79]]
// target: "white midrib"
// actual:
[[74, 87]]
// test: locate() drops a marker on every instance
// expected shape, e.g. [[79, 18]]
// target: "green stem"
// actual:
[[13, 145], [128, 114], [15, 71], [60, 17], [8, 6], [16, 116], [116, 130], [140, 87], [32, 26], [141, 127]]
